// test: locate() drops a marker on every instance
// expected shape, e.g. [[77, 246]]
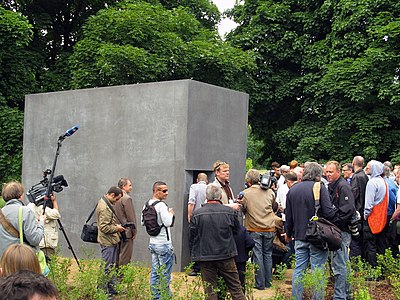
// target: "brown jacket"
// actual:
[[125, 212], [108, 234], [257, 204], [278, 231]]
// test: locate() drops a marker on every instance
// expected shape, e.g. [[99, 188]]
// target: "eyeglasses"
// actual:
[[345, 170], [220, 164], [164, 191]]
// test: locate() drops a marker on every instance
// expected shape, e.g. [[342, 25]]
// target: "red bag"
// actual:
[[378, 217]]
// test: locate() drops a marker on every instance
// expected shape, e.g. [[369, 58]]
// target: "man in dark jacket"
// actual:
[[343, 200], [300, 208], [358, 185], [211, 233]]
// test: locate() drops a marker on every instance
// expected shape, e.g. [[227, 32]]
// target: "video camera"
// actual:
[[267, 180], [131, 225], [37, 192]]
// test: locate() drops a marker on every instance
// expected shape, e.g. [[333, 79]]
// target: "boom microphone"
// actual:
[[70, 132]]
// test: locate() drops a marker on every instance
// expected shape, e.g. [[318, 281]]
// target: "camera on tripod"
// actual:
[[37, 192], [267, 180]]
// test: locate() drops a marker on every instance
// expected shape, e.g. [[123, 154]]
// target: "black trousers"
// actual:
[[373, 244]]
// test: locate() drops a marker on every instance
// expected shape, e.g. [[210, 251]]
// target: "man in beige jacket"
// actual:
[[108, 234], [260, 223]]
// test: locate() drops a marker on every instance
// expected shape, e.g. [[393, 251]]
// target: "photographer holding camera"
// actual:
[[13, 193], [49, 242], [260, 223]]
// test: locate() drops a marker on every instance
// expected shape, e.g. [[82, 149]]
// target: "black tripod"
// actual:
[[49, 189]]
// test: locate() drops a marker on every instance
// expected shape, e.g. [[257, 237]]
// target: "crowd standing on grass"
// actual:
[[361, 199], [362, 203]]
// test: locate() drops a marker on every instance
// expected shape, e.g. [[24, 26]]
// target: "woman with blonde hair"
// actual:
[[19, 257]]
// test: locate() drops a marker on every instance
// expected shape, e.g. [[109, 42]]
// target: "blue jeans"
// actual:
[[306, 252], [161, 255], [339, 259], [262, 256]]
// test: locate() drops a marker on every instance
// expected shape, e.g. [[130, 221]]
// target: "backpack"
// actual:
[[149, 217]]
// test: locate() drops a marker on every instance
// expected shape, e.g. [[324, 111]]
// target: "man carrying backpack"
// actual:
[[158, 219]]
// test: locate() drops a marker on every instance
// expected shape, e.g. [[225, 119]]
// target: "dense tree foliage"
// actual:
[[141, 42], [56, 28], [16, 79], [152, 40], [327, 77]]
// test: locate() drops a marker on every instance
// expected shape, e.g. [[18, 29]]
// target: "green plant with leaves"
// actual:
[[279, 276], [250, 279], [186, 288], [315, 282], [360, 276], [395, 283], [388, 264], [89, 281], [133, 281], [162, 285], [327, 71], [148, 42], [60, 269]]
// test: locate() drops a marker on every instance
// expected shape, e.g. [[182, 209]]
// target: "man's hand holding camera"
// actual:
[[120, 228]]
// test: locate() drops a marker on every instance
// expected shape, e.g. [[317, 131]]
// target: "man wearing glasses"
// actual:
[[160, 246], [347, 171]]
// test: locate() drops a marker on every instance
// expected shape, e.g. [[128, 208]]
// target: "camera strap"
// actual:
[[7, 225], [317, 195], [91, 214], [112, 209]]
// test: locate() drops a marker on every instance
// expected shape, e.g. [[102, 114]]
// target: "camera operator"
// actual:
[[260, 222], [50, 239], [33, 230]]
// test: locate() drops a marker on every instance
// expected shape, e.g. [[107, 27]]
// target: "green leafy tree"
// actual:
[[16, 79], [327, 80], [141, 42], [56, 28], [16, 68]]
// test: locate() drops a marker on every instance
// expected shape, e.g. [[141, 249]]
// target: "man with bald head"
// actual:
[[197, 194], [197, 197]]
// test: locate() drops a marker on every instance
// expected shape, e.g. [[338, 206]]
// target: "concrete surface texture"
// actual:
[[165, 131]]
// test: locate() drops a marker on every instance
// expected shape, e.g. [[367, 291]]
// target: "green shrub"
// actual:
[[315, 281], [187, 289], [60, 269]]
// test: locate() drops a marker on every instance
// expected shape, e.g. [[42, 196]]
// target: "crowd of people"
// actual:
[[276, 207], [265, 223]]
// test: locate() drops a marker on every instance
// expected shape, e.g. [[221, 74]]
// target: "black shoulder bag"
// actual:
[[320, 232], [89, 231]]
